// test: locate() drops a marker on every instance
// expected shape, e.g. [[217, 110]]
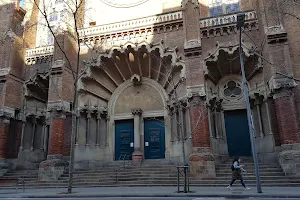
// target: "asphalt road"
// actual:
[[151, 198]]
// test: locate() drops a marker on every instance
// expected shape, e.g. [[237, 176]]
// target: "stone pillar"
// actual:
[[23, 131], [269, 117], [98, 128], [88, 128], [59, 97], [137, 155], [54, 166], [33, 133], [277, 51], [77, 128], [202, 161], [287, 121]]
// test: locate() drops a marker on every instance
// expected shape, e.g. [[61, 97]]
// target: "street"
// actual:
[[154, 198]]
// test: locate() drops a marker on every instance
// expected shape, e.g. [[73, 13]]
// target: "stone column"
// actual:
[[77, 128], [137, 155], [43, 135], [33, 133], [269, 117], [88, 122], [98, 128], [23, 131], [259, 120], [210, 123]]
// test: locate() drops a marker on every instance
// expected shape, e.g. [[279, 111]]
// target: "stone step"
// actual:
[[250, 170]]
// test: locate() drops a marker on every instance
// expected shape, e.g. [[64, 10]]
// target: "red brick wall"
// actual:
[[198, 113], [13, 93], [14, 138], [56, 138], [4, 127], [67, 135], [287, 119]]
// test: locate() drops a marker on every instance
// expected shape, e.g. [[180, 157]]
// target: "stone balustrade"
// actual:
[[131, 24], [40, 51], [225, 19]]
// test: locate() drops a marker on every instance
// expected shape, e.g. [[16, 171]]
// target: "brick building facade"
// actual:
[[159, 80]]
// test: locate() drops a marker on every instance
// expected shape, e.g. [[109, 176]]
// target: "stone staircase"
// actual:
[[151, 174]]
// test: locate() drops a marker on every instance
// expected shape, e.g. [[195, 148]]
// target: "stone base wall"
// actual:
[[289, 159], [202, 164], [52, 168]]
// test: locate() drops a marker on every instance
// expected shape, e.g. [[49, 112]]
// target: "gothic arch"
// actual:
[[224, 61]]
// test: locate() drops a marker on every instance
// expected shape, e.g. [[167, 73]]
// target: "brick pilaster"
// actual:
[[287, 117], [56, 137], [4, 129], [199, 123]]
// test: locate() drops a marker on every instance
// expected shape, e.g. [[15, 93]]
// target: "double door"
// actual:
[[154, 139]]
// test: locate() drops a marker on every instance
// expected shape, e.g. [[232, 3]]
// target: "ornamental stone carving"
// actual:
[[136, 111]]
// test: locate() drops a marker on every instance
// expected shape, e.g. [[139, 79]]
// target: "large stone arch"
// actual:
[[145, 81], [113, 67]]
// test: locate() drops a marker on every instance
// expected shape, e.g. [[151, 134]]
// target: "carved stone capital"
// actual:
[[196, 90], [276, 34], [192, 48], [277, 83], [58, 106], [57, 66], [3, 74]]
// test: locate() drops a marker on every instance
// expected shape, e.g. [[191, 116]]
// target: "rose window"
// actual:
[[232, 89]]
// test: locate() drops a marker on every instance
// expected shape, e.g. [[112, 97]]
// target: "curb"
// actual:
[[158, 195]]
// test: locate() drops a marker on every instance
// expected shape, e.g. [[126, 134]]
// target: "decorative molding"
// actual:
[[7, 112], [276, 34], [4, 72], [137, 112], [131, 27], [39, 55], [192, 48], [164, 52], [61, 106], [40, 51], [276, 83], [57, 67], [226, 24], [196, 90], [136, 79]]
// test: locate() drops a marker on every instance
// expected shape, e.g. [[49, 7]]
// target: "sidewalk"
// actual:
[[271, 192]]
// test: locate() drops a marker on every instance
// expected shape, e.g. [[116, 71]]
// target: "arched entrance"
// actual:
[[227, 110], [129, 87]]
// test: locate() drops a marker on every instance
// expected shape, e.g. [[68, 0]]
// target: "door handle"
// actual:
[[146, 144], [131, 144]]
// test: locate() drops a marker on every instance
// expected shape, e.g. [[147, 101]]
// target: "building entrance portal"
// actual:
[[237, 132], [124, 139], [154, 138]]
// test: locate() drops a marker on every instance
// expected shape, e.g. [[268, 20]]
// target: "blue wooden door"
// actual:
[[123, 138], [154, 137], [237, 132]]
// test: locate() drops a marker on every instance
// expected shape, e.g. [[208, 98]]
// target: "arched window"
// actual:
[[232, 89]]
